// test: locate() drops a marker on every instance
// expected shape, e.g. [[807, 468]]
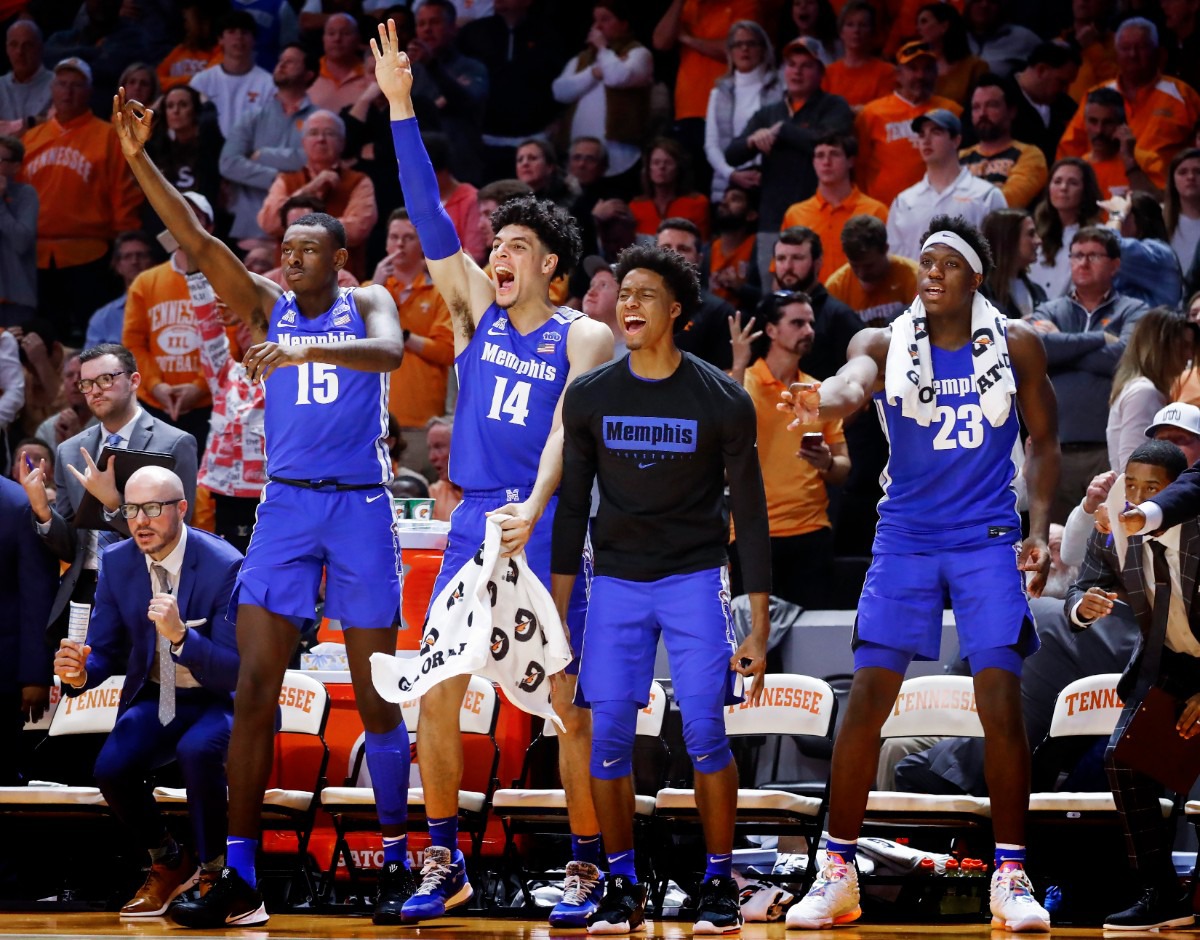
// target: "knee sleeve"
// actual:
[[388, 759], [996, 657], [614, 724], [704, 735], [876, 655]]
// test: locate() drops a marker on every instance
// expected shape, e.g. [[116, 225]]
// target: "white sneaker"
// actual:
[[1014, 907], [832, 901], [761, 902]]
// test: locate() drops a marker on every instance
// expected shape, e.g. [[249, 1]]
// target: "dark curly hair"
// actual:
[[967, 232], [555, 228], [681, 277]]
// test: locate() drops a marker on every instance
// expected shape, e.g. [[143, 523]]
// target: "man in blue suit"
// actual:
[[28, 580], [164, 593]]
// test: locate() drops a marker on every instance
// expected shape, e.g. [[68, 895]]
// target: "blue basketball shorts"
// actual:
[[625, 620], [350, 534], [904, 596], [466, 535]]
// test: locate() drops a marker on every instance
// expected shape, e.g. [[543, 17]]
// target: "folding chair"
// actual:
[[528, 811], [792, 705], [301, 759], [352, 806]]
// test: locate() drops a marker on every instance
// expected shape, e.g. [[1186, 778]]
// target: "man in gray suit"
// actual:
[[108, 377]]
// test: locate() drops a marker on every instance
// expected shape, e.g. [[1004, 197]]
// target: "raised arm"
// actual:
[[248, 295], [468, 292], [843, 394]]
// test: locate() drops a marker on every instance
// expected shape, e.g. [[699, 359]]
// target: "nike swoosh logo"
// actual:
[[609, 763], [371, 499], [643, 466], [617, 858], [702, 757]]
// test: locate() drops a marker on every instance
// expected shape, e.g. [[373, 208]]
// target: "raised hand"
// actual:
[[132, 121], [100, 483], [393, 71], [742, 338]]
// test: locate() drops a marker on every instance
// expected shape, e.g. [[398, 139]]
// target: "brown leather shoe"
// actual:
[[163, 884]]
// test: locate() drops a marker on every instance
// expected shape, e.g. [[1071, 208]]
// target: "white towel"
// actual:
[[493, 619], [908, 376]]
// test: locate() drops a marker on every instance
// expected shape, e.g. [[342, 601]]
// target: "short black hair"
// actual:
[[681, 277], [124, 356], [324, 220], [967, 232], [554, 226], [311, 62], [1054, 54], [772, 306], [847, 142], [1107, 98], [1007, 87], [678, 223], [1102, 235], [1163, 454], [300, 201], [801, 235], [449, 10], [861, 234], [238, 19]]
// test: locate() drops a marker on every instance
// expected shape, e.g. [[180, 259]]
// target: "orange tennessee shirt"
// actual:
[[888, 159], [860, 85], [705, 19], [737, 262], [183, 62], [693, 206], [418, 387], [827, 221], [1161, 117], [882, 303], [797, 502]]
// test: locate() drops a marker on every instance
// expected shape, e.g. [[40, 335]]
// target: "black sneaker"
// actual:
[[623, 908], [1156, 908], [231, 902], [396, 884], [718, 910]]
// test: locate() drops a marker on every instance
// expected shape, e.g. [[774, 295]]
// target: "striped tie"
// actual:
[[166, 665]]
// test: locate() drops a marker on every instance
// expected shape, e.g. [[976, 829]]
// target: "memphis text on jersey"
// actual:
[[533, 368]]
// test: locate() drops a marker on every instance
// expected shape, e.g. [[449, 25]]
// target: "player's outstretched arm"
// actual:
[[841, 395], [589, 344], [466, 289], [1039, 409], [248, 295]]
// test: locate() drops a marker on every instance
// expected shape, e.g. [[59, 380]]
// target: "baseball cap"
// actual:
[[942, 118], [914, 50], [806, 45], [76, 63], [1177, 414], [594, 263], [200, 202]]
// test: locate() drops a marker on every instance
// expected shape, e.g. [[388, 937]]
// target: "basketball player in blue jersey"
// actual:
[[515, 353], [325, 355], [948, 528]]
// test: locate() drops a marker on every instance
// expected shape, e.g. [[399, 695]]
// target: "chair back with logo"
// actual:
[[934, 706]]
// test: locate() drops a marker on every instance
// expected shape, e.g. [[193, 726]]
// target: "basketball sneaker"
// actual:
[[396, 884], [443, 886], [762, 902], [718, 910], [1014, 907], [231, 902], [582, 888], [622, 909], [832, 901]]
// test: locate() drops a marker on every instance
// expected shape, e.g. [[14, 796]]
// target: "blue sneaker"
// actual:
[[443, 886], [582, 889]]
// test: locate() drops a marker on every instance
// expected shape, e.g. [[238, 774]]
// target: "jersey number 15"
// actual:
[[318, 385]]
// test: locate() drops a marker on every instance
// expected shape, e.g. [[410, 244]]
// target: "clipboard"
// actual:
[[90, 514], [1152, 746]]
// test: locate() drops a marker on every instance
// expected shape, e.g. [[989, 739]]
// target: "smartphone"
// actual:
[[811, 439], [168, 241]]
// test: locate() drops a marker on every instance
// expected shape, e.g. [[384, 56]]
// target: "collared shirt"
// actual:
[[828, 219], [172, 564], [911, 212]]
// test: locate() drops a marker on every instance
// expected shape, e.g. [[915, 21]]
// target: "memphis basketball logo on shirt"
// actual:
[[650, 440], [509, 386], [324, 422]]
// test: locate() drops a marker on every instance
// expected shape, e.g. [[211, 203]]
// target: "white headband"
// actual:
[[959, 244]]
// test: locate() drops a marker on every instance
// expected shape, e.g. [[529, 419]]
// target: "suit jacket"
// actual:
[[64, 539], [1181, 500], [28, 578], [119, 620], [1100, 569]]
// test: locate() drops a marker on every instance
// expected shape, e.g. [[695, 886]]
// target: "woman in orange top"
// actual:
[[942, 27], [667, 190], [859, 76]]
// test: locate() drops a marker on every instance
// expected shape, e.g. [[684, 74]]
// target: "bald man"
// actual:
[[164, 595]]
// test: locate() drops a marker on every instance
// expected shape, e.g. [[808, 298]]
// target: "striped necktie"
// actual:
[[166, 665]]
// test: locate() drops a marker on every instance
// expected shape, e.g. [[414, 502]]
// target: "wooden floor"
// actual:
[[295, 927]]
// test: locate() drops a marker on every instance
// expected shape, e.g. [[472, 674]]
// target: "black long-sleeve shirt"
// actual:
[[661, 451]]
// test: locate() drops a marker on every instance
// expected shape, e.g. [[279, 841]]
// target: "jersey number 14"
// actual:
[[515, 404]]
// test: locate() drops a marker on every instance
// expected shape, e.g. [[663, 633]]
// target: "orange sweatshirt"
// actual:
[[888, 159]]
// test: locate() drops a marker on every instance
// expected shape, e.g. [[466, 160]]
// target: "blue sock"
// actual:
[[1010, 853], [444, 832], [847, 850], [240, 856], [395, 850], [719, 866], [585, 848], [623, 863]]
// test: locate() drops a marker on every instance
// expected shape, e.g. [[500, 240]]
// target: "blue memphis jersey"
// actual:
[[948, 485], [509, 386], [324, 422]]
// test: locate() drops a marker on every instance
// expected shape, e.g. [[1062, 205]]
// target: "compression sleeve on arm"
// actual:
[[419, 183]]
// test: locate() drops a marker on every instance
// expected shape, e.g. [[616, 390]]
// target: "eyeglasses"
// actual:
[[152, 510], [1091, 257], [103, 381]]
